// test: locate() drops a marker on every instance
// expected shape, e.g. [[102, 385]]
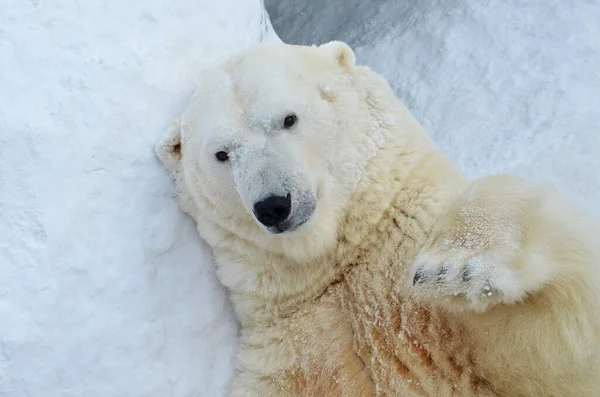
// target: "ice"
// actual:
[[105, 287]]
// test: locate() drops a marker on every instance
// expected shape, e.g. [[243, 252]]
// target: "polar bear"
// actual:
[[360, 260]]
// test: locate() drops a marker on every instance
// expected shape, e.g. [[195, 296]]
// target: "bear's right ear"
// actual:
[[168, 148], [341, 53]]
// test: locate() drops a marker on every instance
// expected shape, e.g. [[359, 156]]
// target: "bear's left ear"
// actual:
[[342, 54], [168, 148]]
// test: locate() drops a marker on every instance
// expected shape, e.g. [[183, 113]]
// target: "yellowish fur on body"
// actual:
[[347, 321]]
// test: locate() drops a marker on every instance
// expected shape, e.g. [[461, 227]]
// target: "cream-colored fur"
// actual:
[[505, 300]]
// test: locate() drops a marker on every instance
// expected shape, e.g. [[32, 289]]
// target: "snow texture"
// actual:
[[502, 86], [105, 287]]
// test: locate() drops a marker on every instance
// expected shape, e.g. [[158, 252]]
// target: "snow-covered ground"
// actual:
[[105, 288]]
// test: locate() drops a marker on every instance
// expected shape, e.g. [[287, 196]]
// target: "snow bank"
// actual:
[[105, 288]]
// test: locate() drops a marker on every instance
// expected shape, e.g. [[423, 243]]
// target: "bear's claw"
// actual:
[[452, 277]]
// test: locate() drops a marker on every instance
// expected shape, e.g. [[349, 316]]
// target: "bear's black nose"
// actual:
[[273, 210]]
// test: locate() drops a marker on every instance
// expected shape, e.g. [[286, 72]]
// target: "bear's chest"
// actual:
[[408, 349]]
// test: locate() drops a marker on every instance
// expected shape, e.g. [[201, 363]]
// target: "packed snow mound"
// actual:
[[503, 86], [105, 287]]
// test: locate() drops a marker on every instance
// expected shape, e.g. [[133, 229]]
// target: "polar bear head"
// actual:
[[271, 144]]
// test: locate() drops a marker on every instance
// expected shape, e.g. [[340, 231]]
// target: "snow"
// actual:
[[105, 288]]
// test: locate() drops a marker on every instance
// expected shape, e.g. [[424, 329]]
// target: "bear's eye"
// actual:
[[222, 156], [289, 121]]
